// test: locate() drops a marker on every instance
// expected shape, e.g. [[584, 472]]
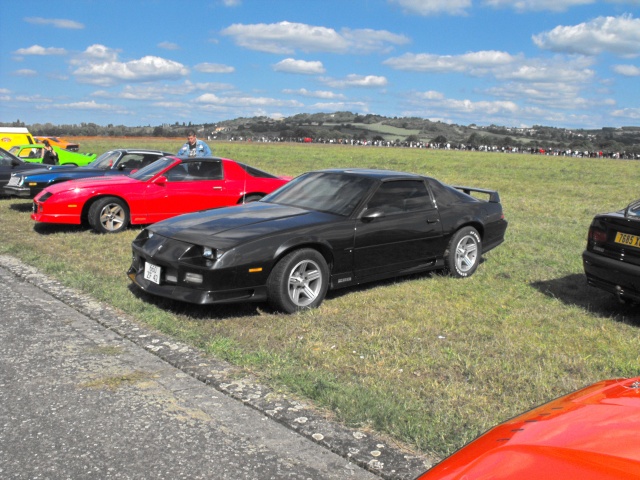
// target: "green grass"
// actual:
[[430, 360]]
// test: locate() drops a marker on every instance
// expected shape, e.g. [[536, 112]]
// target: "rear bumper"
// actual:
[[613, 276]]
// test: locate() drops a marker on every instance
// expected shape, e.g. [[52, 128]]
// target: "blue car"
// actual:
[[114, 162]]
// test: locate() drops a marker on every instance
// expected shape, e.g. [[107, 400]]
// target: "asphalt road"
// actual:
[[87, 393]]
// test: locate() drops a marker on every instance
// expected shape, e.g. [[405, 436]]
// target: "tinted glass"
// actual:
[[337, 193]]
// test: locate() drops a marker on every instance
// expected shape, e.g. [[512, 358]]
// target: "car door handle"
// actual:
[[217, 188], [432, 219]]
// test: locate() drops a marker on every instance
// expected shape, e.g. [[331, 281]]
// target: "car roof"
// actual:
[[376, 174], [140, 150]]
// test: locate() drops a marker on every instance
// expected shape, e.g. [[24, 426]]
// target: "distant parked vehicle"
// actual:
[[11, 136], [59, 142], [167, 187], [10, 164], [114, 162], [34, 152], [612, 258]]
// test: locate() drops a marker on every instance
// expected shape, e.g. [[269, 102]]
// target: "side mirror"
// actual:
[[161, 180]]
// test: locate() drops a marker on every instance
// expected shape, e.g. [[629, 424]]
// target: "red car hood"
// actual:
[[593, 433]]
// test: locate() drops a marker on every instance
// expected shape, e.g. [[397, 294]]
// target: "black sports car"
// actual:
[[612, 257], [324, 229], [120, 161], [10, 164]]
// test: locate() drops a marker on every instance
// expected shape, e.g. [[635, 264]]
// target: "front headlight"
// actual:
[[212, 253]]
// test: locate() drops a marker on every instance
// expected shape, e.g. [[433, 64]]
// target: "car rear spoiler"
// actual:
[[494, 196]]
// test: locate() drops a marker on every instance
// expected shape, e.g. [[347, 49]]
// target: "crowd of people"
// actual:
[[536, 150]]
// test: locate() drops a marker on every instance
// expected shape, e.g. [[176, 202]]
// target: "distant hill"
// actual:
[[347, 127]]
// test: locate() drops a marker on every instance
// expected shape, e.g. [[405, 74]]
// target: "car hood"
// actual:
[[92, 182], [589, 434], [230, 225], [80, 172]]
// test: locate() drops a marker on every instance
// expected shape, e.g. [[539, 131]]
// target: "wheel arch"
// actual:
[[316, 244], [84, 217]]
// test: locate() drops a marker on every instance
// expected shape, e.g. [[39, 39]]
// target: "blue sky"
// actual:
[[563, 63]]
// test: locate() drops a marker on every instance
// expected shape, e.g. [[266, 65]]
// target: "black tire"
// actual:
[[299, 281], [109, 215], [463, 253]]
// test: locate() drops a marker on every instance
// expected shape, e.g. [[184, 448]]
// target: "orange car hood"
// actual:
[[593, 433]]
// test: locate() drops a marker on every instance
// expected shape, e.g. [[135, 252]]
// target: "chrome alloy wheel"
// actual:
[[305, 283], [113, 217], [466, 254]]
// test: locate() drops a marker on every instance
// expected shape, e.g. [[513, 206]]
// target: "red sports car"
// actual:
[[169, 186], [591, 434]]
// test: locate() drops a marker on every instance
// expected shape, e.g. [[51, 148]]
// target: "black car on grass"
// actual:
[[323, 230], [612, 258]]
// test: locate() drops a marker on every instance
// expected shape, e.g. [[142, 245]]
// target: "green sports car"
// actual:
[[34, 152]]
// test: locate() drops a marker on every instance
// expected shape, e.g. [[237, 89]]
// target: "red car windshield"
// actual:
[[152, 169]]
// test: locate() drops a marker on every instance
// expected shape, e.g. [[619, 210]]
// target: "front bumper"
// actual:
[[613, 276], [22, 192], [195, 295]]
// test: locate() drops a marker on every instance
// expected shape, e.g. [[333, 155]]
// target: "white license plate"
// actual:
[[152, 272], [14, 181]]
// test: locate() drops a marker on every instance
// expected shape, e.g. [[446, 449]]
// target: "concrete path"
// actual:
[[85, 393]]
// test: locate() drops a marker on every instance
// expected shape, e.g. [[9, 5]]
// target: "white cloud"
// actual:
[[537, 5], [38, 50], [169, 46], [95, 53], [99, 65], [425, 62], [627, 70], [56, 22], [354, 80], [25, 72], [467, 106], [214, 68], [315, 94], [434, 7], [210, 98], [631, 113], [286, 38], [617, 35], [290, 65], [92, 105], [360, 107]]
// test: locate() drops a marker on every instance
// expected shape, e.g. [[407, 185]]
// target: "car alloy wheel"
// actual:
[[299, 281], [464, 252]]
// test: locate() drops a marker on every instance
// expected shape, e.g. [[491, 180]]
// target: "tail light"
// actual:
[[597, 235]]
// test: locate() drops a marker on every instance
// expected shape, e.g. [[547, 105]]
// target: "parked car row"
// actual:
[[220, 231]]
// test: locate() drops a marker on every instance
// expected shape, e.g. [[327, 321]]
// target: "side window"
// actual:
[[131, 161], [205, 170], [178, 173], [401, 196]]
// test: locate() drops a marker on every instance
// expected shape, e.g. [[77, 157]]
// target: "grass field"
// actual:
[[431, 360]]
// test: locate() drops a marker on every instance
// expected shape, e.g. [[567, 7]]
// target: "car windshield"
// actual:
[[105, 161], [152, 169], [337, 193]]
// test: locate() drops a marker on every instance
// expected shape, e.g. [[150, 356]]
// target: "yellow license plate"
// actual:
[[626, 239]]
